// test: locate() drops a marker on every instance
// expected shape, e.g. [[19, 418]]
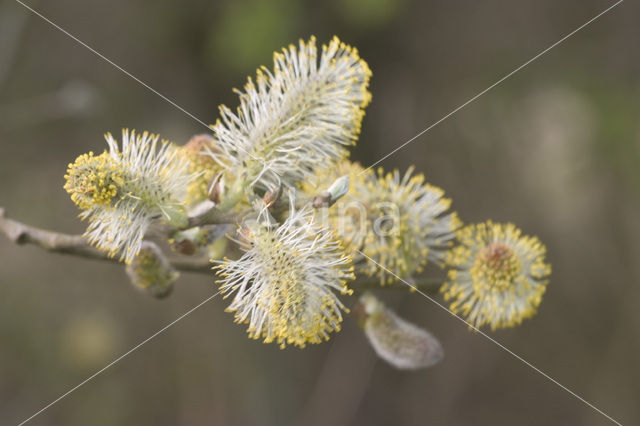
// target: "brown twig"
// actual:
[[213, 216], [76, 245]]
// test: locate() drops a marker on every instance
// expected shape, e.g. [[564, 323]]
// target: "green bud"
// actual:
[[151, 272], [339, 188]]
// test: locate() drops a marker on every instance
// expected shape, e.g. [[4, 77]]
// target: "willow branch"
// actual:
[[76, 245], [215, 216]]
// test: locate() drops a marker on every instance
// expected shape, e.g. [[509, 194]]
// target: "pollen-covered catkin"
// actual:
[[124, 190], [397, 221], [304, 112], [285, 284], [497, 275]]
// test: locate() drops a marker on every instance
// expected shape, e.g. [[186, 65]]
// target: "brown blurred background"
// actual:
[[555, 149]]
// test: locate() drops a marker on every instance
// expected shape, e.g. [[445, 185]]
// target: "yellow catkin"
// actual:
[[122, 191], [398, 222], [497, 276], [304, 112], [198, 150], [284, 286], [93, 180]]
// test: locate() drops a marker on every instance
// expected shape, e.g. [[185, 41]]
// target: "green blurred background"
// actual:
[[555, 149]]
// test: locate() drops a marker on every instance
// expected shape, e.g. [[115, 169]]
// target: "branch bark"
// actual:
[[215, 216], [76, 245]]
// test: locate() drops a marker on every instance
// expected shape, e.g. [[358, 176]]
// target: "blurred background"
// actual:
[[555, 149]]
